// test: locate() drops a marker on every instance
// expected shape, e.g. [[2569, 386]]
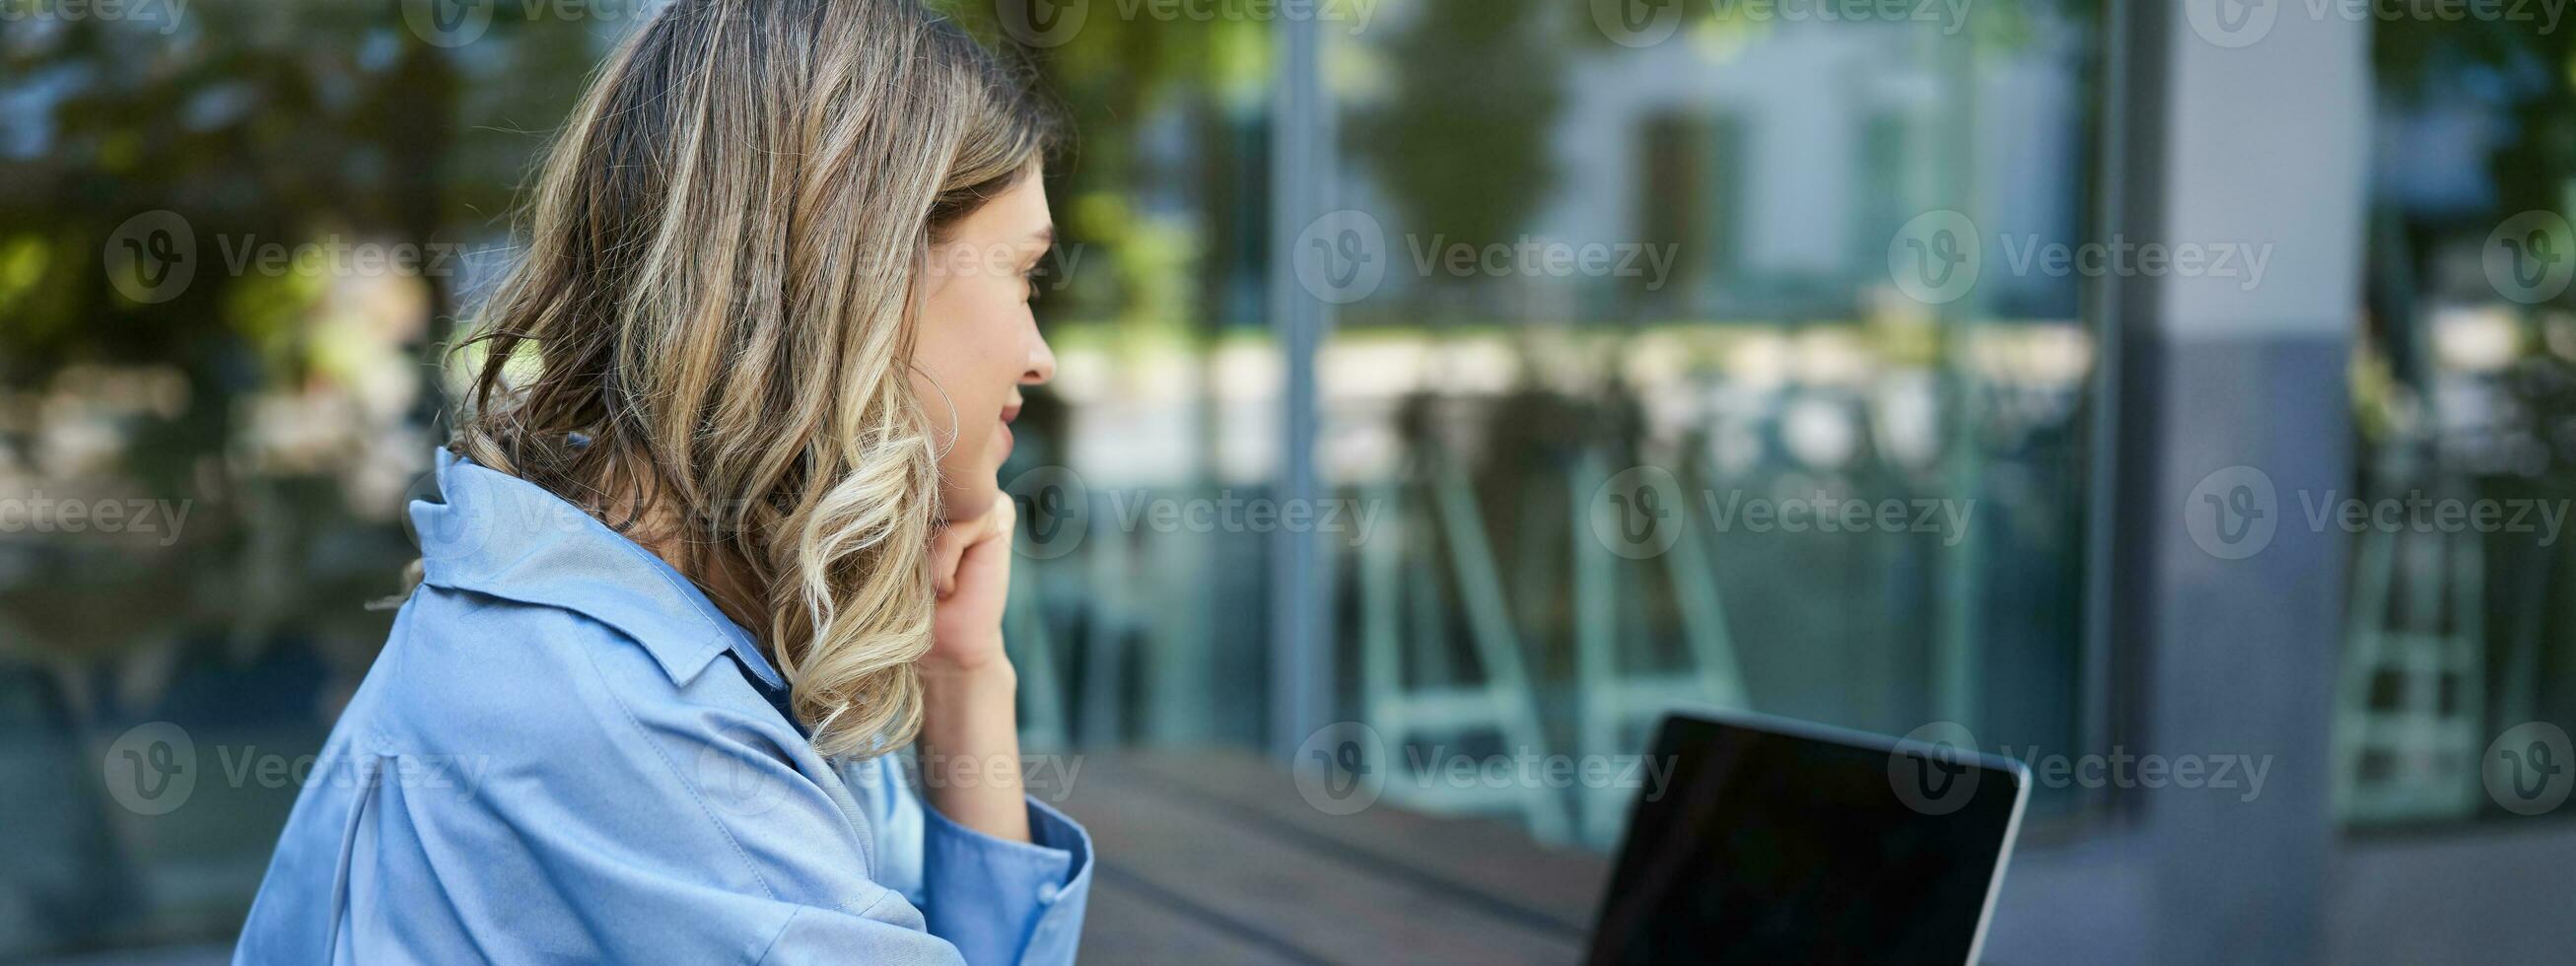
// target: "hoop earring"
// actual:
[[956, 426]]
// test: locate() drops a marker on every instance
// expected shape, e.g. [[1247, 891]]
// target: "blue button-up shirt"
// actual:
[[566, 753]]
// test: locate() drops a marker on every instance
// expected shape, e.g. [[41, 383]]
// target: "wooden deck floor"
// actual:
[[1212, 857]]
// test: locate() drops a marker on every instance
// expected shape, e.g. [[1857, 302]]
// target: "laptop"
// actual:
[[1783, 842]]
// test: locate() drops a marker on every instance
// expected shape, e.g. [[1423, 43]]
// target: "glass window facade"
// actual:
[[1716, 360]]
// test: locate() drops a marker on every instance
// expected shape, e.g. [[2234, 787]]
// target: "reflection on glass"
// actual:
[[2462, 393], [1724, 366]]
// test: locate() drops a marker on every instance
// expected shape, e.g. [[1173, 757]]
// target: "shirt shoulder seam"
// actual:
[[676, 774]]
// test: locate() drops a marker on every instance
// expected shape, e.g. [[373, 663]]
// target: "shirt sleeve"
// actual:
[[1007, 902]]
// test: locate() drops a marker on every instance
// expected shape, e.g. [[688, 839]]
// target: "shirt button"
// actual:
[[1047, 893]]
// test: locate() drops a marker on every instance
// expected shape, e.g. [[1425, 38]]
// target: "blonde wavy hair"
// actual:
[[707, 343]]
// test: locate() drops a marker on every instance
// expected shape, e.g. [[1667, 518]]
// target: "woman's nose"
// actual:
[[1041, 364]]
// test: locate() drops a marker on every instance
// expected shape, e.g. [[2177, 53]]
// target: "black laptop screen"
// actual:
[[1769, 847]]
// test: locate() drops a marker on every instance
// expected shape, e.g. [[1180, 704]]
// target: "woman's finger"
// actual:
[[947, 549], [956, 541]]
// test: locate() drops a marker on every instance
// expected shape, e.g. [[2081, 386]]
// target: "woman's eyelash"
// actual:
[[1037, 269]]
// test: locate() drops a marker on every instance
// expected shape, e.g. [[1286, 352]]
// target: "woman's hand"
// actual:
[[969, 746], [971, 569]]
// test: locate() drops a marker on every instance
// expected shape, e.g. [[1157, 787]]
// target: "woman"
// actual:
[[718, 532]]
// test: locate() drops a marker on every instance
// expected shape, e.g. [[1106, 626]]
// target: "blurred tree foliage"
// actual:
[[302, 127], [1461, 147], [243, 125], [1158, 200]]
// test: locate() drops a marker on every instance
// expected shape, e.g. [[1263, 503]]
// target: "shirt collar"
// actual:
[[505, 537]]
